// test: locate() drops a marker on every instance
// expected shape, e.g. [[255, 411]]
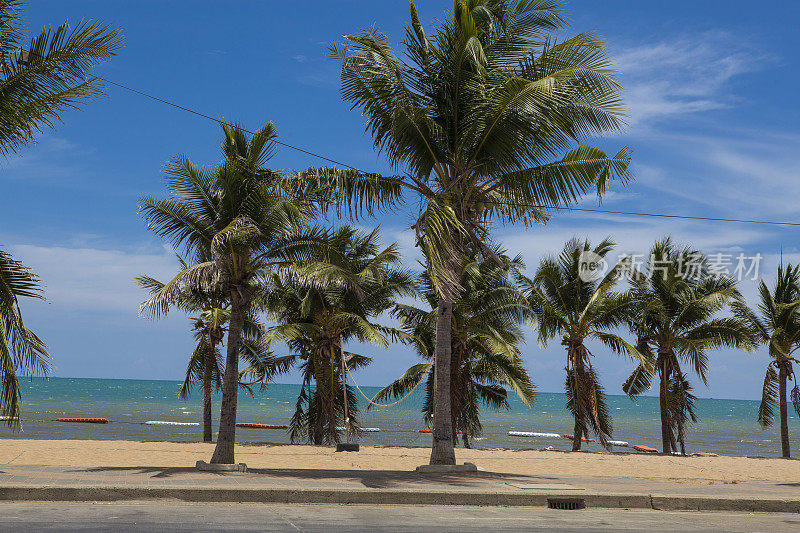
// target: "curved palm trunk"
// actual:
[[442, 451], [226, 438], [783, 376], [207, 394]]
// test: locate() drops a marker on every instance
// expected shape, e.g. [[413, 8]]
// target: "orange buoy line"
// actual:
[[583, 439], [252, 425], [84, 420]]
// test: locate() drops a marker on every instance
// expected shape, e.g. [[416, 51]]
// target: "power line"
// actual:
[[345, 165], [661, 215], [209, 117]]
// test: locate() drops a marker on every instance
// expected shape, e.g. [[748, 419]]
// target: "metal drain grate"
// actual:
[[566, 504]]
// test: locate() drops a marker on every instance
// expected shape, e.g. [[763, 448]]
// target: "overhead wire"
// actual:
[[559, 208]]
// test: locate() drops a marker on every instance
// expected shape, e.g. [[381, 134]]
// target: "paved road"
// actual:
[[137, 516]]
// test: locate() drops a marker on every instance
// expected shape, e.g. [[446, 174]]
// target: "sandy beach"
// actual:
[[693, 469]]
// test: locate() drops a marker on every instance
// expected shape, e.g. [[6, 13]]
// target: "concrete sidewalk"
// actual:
[[52, 483]]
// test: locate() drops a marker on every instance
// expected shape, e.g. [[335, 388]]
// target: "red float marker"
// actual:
[[251, 425], [84, 420]]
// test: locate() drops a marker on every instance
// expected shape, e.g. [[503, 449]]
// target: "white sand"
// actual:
[[89, 453]]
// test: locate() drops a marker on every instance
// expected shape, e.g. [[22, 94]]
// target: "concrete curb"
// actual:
[[392, 497]]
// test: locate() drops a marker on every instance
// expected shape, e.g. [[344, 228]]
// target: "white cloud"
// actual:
[[93, 279], [681, 76]]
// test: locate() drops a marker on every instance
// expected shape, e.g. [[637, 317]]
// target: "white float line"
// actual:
[[168, 423], [534, 434], [367, 430]]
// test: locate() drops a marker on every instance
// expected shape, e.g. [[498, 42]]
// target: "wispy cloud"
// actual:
[[681, 76], [93, 279]]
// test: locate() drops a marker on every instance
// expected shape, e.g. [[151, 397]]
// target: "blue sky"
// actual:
[[710, 89]]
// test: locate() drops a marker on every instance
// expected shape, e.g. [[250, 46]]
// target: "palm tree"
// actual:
[[209, 325], [577, 305], [38, 82], [247, 217], [486, 121], [779, 328], [677, 303], [485, 345], [21, 351], [329, 301]]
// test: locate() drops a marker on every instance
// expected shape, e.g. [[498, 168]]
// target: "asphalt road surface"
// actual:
[[160, 516]]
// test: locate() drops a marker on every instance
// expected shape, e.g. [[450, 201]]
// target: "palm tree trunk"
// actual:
[[333, 434], [207, 393], [666, 428], [577, 381], [226, 438], [442, 451], [576, 440], [782, 378]]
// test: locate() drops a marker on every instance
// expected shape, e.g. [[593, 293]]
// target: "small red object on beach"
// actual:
[[84, 420], [572, 437], [647, 449], [252, 425]]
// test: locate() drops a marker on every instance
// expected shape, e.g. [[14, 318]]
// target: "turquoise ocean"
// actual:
[[724, 426]]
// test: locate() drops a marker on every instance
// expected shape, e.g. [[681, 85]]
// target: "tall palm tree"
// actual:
[[247, 217], [677, 306], [21, 351], [327, 302], [778, 326], [40, 79], [570, 302], [212, 314], [486, 120], [485, 337]]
